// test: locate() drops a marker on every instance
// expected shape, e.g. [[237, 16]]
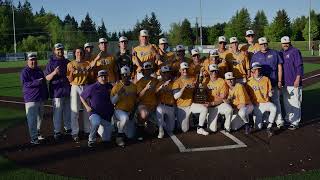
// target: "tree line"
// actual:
[[40, 30]]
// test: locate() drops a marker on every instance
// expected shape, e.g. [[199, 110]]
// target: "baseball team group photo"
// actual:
[[229, 93]]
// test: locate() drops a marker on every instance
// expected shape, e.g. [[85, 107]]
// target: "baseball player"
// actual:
[[59, 90], [166, 57], [260, 90], [147, 99], [252, 46], [123, 96], [218, 92], [196, 65], [222, 50], [180, 58], [89, 56], [239, 100], [292, 76], [144, 52], [123, 57], [165, 111], [77, 73], [183, 89], [35, 93], [271, 63], [239, 63], [96, 100], [105, 61], [215, 59]]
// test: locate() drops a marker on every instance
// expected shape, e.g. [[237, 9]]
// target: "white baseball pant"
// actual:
[[102, 126], [292, 98], [124, 123], [183, 114], [275, 99], [241, 117], [166, 117], [75, 108], [34, 113], [261, 108], [61, 110], [223, 109]]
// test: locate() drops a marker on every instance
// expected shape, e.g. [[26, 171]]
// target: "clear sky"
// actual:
[[123, 14]]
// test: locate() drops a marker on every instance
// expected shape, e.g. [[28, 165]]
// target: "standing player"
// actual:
[[145, 52], [77, 73], [166, 108], [96, 100], [196, 65], [180, 58], [35, 93], [271, 63], [166, 57], [239, 100], [147, 99], [260, 91], [123, 96], [252, 46], [239, 63], [292, 75], [105, 61], [183, 89], [223, 51], [123, 57], [59, 90], [218, 93], [88, 56], [214, 58]]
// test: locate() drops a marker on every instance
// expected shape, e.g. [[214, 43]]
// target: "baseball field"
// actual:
[[287, 155]]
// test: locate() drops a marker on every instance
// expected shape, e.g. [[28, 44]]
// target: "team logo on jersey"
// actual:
[[105, 61], [288, 56], [269, 56], [257, 88], [144, 53], [236, 62], [211, 87]]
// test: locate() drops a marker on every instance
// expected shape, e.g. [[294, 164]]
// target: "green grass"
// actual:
[[309, 175], [10, 85], [12, 64], [309, 67], [10, 171]]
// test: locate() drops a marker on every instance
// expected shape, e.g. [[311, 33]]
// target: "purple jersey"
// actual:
[[292, 65], [98, 97], [34, 89], [59, 85]]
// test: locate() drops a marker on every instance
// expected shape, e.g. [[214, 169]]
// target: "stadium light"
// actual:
[[14, 30], [309, 25], [200, 23]]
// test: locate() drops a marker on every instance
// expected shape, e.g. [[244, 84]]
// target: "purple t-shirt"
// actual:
[[98, 97], [34, 90], [292, 65], [269, 62], [59, 86]]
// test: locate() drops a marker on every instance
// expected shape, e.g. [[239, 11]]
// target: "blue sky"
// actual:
[[123, 14]]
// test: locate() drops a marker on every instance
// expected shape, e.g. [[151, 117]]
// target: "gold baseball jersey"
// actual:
[[223, 67], [80, 74], [176, 65], [107, 62], [187, 95], [223, 54], [92, 76], [150, 98], [165, 95], [127, 100], [145, 53], [239, 95], [259, 89], [239, 64], [217, 89], [194, 70], [253, 48], [166, 59]]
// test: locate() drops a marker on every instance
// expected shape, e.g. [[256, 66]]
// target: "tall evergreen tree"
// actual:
[[279, 27], [88, 28], [102, 30], [187, 37], [238, 25], [215, 31], [259, 23], [298, 25]]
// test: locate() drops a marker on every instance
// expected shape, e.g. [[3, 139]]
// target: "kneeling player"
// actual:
[[261, 90], [123, 96]]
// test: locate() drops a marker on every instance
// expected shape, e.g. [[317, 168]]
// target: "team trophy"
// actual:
[[200, 94]]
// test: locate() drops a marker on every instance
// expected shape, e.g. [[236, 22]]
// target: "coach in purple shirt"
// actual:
[[96, 99], [292, 75], [59, 90], [271, 63], [35, 93]]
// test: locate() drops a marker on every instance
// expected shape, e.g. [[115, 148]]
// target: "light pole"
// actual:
[[14, 30], [200, 23], [309, 25]]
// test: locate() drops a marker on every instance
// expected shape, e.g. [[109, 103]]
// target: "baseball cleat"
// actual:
[[76, 139], [140, 138], [40, 137], [57, 136], [161, 133], [120, 142], [91, 144], [292, 127], [201, 131], [35, 142], [68, 132]]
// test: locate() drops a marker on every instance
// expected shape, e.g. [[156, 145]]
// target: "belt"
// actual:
[[168, 105]]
